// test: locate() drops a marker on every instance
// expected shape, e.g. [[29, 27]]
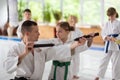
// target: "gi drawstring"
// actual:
[[61, 64]]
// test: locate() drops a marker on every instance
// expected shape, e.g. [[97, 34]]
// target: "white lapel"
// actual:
[[39, 64]]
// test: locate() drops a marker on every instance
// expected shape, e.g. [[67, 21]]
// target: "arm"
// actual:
[[14, 58], [28, 49], [117, 39], [58, 52], [104, 32], [80, 49], [19, 33], [90, 39], [10, 64], [63, 51], [46, 41], [78, 32], [89, 43]]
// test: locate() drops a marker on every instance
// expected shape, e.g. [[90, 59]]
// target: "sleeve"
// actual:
[[11, 62], [81, 48], [103, 33], [79, 32], [58, 52], [118, 28], [19, 33], [45, 41]]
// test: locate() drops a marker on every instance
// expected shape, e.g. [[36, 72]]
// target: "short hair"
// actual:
[[27, 10], [27, 26], [111, 11]]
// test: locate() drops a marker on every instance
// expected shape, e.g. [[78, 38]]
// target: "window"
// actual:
[[91, 12], [37, 10], [52, 6], [71, 7]]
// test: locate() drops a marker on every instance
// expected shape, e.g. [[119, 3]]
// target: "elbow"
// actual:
[[7, 69], [10, 68]]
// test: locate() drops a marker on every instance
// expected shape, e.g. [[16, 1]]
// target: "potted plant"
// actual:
[[46, 13], [57, 15], [21, 6]]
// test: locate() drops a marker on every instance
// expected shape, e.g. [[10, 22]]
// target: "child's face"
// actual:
[[112, 17], [72, 22], [27, 15], [61, 33]]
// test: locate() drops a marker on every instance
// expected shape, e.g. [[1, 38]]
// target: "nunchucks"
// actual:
[[76, 39], [87, 36], [43, 45]]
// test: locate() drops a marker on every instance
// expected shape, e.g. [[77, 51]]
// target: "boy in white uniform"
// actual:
[[72, 20], [29, 62], [26, 16]]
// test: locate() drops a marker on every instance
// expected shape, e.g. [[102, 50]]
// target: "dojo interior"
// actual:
[[91, 16]]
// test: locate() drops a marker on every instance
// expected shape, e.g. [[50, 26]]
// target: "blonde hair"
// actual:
[[72, 17]]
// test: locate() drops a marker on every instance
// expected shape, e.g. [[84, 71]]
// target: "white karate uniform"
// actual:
[[19, 33], [113, 51], [61, 70], [76, 58], [33, 66]]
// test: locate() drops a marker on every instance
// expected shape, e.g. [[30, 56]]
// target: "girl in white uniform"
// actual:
[[72, 20], [61, 68], [29, 62], [112, 50]]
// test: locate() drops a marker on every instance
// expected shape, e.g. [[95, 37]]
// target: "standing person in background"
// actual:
[[26, 16], [111, 31], [72, 20]]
